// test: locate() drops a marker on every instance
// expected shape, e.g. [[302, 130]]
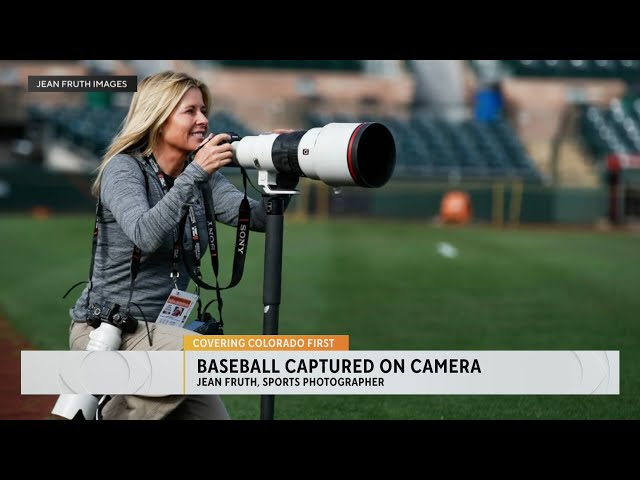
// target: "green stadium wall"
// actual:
[[537, 204], [25, 188], [22, 189]]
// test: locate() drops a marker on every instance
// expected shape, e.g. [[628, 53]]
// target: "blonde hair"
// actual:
[[151, 105]]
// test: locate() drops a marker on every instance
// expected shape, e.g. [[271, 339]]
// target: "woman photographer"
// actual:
[[148, 181]]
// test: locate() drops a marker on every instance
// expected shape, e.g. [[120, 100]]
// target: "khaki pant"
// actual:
[[137, 407]]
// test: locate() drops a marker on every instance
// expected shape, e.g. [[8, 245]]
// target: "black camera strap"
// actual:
[[94, 247], [241, 245], [242, 237], [136, 254]]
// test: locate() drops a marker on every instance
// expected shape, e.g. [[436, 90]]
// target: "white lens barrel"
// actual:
[[255, 152], [338, 154], [68, 406], [104, 338]]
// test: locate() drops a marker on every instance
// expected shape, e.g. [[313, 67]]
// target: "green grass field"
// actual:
[[385, 286]]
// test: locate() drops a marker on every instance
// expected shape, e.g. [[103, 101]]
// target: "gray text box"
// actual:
[[83, 83]]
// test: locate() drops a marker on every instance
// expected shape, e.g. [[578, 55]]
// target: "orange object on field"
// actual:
[[455, 207], [40, 212]]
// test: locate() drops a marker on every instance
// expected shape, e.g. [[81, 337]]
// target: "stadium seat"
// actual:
[[433, 148], [628, 70], [328, 65], [612, 129], [93, 129]]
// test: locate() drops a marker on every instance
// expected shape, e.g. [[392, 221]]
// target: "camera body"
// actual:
[[234, 137], [112, 314], [206, 325]]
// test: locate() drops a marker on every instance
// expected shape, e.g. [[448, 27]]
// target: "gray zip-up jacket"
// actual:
[[129, 216]]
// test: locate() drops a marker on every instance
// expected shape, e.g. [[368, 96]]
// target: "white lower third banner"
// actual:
[[322, 372]]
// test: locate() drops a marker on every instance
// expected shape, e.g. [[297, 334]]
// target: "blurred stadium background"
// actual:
[[510, 222]]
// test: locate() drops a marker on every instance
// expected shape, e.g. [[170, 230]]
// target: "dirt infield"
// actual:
[[14, 406]]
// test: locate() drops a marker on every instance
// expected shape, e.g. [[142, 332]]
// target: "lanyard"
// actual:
[[179, 232]]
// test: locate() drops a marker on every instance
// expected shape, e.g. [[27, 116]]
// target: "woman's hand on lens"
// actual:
[[214, 152], [282, 130]]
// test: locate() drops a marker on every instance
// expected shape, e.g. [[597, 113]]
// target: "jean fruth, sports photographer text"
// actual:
[[96, 83], [324, 366]]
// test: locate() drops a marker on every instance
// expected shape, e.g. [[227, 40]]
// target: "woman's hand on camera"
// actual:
[[282, 130], [213, 154]]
